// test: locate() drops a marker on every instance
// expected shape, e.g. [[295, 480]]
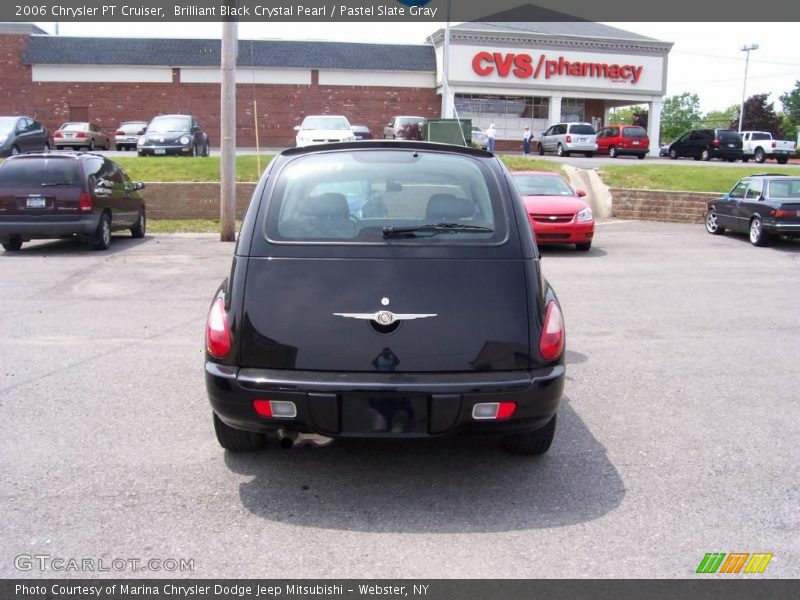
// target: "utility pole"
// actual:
[[227, 205], [744, 87]]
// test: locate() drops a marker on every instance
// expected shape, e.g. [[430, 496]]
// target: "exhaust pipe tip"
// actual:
[[287, 443]]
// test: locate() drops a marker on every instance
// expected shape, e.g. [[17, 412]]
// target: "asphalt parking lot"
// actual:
[[678, 435]]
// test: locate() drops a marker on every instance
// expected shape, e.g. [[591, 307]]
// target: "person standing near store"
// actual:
[[491, 133], [526, 141]]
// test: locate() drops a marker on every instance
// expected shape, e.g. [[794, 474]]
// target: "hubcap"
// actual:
[[106, 231], [755, 230], [711, 222], [14, 150]]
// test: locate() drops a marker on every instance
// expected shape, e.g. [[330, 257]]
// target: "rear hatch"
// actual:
[[635, 137], [728, 139], [323, 272], [40, 188]]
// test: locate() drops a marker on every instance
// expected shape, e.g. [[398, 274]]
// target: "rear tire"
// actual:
[[584, 247], [102, 237], [561, 152], [758, 237], [705, 154], [531, 443], [760, 156], [140, 227], [782, 160], [236, 440], [612, 152], [13, 244], [745, 159], [640, 156]]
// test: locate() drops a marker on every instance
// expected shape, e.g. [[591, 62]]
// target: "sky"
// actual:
[[706, 58]]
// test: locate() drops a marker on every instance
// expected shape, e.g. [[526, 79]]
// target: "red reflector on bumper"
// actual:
[[263, 407]]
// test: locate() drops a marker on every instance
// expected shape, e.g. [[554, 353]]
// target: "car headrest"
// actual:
[[330, 205], [446, 207]]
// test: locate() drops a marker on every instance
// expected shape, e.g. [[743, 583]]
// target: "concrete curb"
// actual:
[[598, 195]]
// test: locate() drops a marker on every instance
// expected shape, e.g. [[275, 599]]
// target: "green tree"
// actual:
[[722, 118], [680, 113], [759, 116], [791, 109], [640, 116]]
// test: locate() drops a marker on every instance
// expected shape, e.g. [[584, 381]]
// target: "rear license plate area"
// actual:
[[35, 202], [384, 414]]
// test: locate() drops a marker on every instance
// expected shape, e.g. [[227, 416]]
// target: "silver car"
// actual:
[[565, 138], [128, 134]]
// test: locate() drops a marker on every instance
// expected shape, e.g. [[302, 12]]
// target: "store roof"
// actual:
[[588, 29], [59, 50]]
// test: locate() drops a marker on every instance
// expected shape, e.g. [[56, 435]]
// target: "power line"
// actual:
[[736, 58]]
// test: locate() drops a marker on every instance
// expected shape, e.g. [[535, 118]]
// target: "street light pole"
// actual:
[[744, 87]]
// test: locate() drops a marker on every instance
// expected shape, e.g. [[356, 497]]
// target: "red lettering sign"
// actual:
[[521, 66]]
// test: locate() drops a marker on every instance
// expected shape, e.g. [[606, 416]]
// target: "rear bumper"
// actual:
[[727, 153], [323, 399], [574, 147], [782, 228], [563, 233], [31, 229]]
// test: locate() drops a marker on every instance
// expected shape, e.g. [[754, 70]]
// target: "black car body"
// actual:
[[353, 322], [19, 135], [705, 144], [361, 132], [761, 206], [45, 196], [173, 134]]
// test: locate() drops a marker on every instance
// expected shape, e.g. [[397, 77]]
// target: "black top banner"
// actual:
[[712, 11]]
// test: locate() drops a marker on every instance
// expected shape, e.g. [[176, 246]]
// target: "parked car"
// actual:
[[394, 129], [430, 319], [479, 137], [565, 138], [22, 134], [44, 196], [128, 134], [323, 129], [623, 139], [75, 135], [705, 144], [760, 145], [556, 212], [762, 206], [361, 132], [173, 134], [664, 150]]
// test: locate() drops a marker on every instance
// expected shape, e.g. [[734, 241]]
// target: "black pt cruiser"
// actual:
[[385, 289]]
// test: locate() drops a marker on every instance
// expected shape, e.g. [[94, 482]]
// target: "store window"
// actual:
[[573, 110], [509, 114]]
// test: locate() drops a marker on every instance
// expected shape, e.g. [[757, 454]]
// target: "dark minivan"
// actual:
[[46, 196], [385, 289], [705, 144]]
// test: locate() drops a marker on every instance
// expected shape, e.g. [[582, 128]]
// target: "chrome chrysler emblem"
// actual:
[[385, 317], [553, 217]]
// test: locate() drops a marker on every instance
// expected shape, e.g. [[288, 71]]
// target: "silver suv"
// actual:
[[565, 138]]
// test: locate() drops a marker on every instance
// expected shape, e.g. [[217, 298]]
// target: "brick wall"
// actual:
[[657, 205], [280, 107], [191, 200]]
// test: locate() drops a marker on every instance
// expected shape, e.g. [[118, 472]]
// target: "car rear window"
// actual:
[[761, 136], [350, 197], [785, 188], [75, 127], [132, 128], [582, 129], [634, 132], [40, 172], [728, 135]]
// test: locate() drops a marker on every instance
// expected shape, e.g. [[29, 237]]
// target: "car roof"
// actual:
[[549, 173], [175, 115], [325, 116], [387, 144]]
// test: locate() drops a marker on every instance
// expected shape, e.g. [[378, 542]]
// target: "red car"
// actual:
[[556, 211], [623, 139]]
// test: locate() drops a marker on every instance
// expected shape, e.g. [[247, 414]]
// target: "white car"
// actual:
[[324, 129]]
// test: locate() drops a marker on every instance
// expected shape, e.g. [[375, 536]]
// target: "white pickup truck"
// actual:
[[760, 146]]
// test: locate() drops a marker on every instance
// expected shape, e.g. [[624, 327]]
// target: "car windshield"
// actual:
[[7, 125], [165, 124], [542, 185], [785, 188], [132, 127], [353, 196], [581, 129], [39, 172], [328, 123], [74, 127]]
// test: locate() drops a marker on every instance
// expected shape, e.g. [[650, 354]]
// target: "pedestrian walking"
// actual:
[[526, 141], [491, 133]]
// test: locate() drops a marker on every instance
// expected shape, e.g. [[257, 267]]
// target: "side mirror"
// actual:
[[581, 193], [138, 185], [297, 127]]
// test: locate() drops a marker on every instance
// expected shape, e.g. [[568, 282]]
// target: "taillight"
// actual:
[[569, 139], [280, 409], [782, 213], [774, 144], [551, 344], [218, 336], [493, 410], [81, 134], [85, 202], [715, 143], [58, 134]]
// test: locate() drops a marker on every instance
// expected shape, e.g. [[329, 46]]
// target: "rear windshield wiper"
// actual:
[[434, 228]]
